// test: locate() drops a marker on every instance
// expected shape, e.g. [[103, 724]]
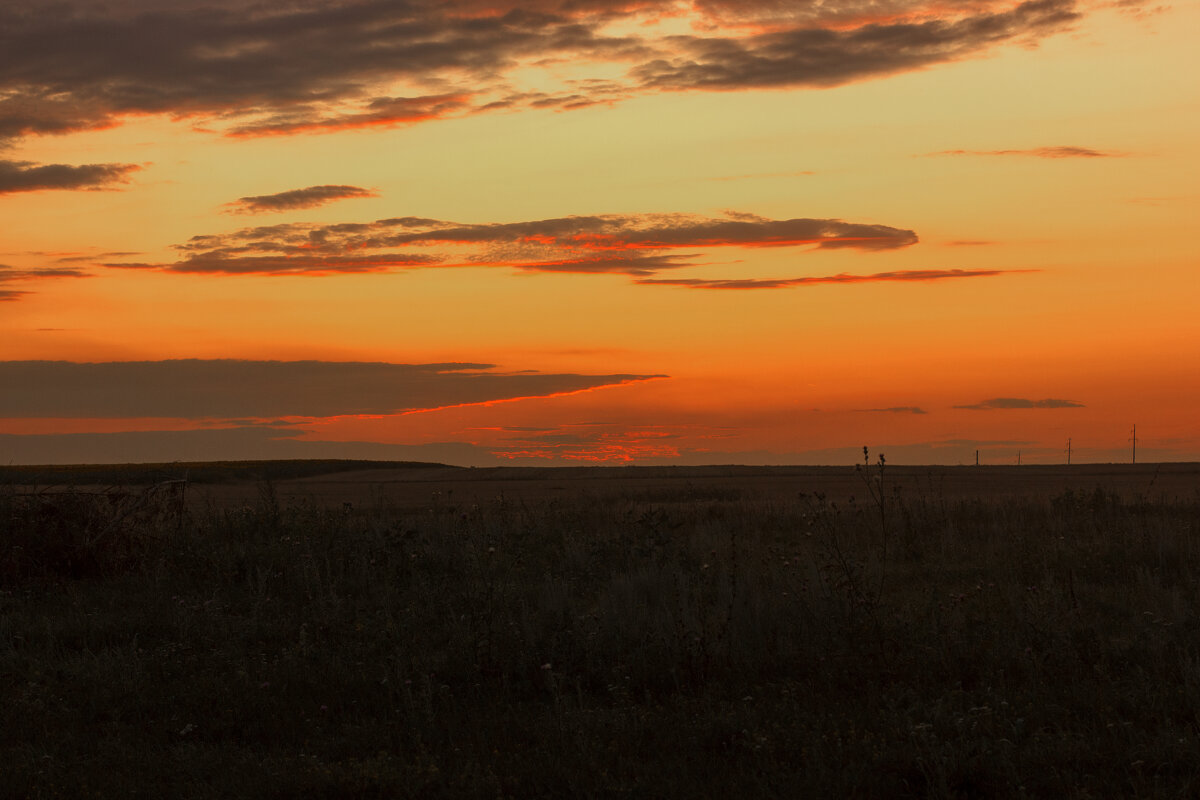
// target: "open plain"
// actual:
[[290, 629], [416, 485], [363, 483]]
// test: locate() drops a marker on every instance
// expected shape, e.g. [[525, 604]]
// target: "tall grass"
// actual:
[[600, 644]]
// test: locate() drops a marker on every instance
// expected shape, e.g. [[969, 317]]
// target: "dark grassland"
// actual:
[[603, 642]]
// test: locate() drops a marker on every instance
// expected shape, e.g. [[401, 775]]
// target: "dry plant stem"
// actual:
[[877, 489], [139, 504]]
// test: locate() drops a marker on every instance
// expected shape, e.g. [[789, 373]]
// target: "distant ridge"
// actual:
[[197, 472]]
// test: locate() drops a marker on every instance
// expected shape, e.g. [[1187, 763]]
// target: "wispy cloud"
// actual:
[[893, 410], [916, 275], [80, 257], [11, 275], [638, 245], [376, 112], [26, 176], [1000, 403], [309, 197], [223, 263], [1139, 8], [289, 68], [1061, 151], [841, 14], [233, 389], [807, 55]]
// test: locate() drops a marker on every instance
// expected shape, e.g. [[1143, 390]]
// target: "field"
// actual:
[[398, 630]]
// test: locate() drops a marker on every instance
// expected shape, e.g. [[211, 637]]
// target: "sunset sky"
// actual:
[[599, 231]]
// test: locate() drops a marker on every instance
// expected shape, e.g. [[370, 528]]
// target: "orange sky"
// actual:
[[623, 232]]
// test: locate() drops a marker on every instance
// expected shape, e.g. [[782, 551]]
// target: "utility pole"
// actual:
[[1068, 452], [1018, 458], [977, 458], [1134, 440]]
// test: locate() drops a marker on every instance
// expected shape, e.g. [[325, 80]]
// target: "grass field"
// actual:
[[683, 635]]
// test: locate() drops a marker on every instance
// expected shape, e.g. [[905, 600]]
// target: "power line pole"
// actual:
[[1134, 440], [1068, 452]]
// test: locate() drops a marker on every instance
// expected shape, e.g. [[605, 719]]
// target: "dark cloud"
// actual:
[[318, 65], [267, 68], [657, 231], [841, 13], [10, 275], [626, 244], [622, 263], [916, 275], [230, 389], [25, 176], [817, 56], [230, 263], [894, 410], [1061, 151], [15, 274], [1017, 402], [92, 258], [309, 197], [243, 443], [377, 112]]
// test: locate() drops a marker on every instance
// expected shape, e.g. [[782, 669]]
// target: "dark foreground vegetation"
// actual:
[[686, 644]]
